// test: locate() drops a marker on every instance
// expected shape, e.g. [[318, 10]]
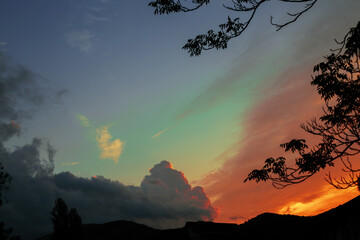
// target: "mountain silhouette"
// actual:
[[340, 223]]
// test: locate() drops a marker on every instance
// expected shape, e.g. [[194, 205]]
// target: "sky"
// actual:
[[103, 108]]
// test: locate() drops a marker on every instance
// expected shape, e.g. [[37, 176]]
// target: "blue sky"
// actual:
[[118, 63]]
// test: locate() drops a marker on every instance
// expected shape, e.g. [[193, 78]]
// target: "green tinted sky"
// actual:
[[124, 68]]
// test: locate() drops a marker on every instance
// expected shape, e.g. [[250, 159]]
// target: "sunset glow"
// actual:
[[101, 106]]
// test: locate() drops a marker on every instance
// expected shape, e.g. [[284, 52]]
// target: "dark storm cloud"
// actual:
[[164, 199]]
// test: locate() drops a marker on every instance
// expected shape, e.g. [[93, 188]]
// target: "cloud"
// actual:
[[70, 163], [159, 133], [20, 96], [164, 199], [7, 130], [83, 40], [165, 130], [3, 43], [108, 149], [323, 201], [60, 94], [91, 18], [83, 120], [177, 122]]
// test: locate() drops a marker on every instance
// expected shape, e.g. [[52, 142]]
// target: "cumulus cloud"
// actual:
[[164, 199], [165, 181], [83, 40], [108, 149]]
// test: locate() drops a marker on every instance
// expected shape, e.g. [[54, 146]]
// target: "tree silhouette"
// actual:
[[337, 81], [232, 28], [5, 234], [59, 217], [66, 224], [75, 223], [5, 180]]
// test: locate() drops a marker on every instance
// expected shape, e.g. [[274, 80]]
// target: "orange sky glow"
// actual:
[[274, 121]]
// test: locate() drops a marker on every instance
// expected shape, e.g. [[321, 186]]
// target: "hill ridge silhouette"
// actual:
[[341, 222]]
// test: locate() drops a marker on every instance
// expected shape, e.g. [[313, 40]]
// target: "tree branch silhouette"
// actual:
[[232, 28], [337, 81]]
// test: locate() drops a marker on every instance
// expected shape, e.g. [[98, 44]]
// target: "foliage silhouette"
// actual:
[[232, 28], [67, 224], [5, 180], [5, 233], [337, 81], [75, 223]]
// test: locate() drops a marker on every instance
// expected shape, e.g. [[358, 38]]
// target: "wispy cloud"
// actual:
[[3, 43], [109, 149], [159, 133], [83, 40], [91, 18], [70, 163], [83, 120], [167, 129]]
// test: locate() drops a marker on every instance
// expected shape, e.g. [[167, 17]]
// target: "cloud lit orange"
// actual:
[[108, 149], [70, 163]]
